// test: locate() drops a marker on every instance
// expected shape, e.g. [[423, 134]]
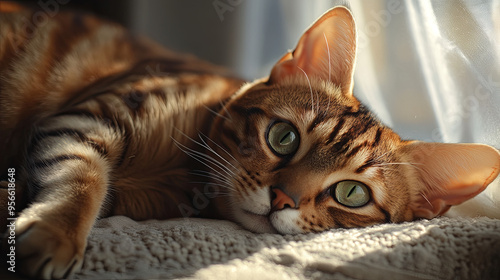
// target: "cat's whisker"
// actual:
[[216, 113], [206, 173], [203, 155], [376, 160], [203, 159], [202, 162], [400, 163], [228, 190], [206, 146], [310, 88], [329, 60], [209, 159], [213, 177], [213, 184], [219, 146], [225, 187], [426, 199], [226, 110], [380, 156], [188, 137], [224, 177], [200, 134], [226, 184], [209, 174]]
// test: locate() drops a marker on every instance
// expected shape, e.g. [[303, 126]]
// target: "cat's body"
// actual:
[[84, 98], [122, 86], [97, 122]]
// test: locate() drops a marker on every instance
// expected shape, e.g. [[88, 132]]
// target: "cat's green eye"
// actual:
[[351, 193], [283, 138]]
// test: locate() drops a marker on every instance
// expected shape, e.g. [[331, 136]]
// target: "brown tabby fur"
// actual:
[[98, 122]]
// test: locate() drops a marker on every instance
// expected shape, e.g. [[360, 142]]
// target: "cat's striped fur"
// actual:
[[99, 122], [88, 115]]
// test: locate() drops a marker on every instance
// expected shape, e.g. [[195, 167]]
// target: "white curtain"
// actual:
[[428, 69], [447, 84]]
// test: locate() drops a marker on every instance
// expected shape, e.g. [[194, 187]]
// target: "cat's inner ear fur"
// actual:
[[449, 174], [326, 51]]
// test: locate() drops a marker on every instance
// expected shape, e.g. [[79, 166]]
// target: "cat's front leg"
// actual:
[[68, 174], [51, 234]]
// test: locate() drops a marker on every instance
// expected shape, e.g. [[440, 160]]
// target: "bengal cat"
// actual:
[[98, 122]]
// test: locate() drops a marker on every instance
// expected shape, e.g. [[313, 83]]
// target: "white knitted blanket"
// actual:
[[443, 248]]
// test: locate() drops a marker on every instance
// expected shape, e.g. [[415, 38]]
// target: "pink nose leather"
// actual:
[[281, 200]]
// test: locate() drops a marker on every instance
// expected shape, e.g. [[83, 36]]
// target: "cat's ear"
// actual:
[[450, 174], [327, 50]]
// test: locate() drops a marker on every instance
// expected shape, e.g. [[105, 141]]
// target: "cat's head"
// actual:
[[297, 152]]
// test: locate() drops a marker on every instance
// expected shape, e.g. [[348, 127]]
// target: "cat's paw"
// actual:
[[45, 251]]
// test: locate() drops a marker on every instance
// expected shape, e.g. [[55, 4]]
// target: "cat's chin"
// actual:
[[274, 222], [255, 222], [284, 221]]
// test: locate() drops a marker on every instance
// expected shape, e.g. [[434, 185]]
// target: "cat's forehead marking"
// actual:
[[300, 118]]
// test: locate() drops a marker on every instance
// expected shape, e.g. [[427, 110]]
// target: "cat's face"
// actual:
[[298, 153], [308, 163]]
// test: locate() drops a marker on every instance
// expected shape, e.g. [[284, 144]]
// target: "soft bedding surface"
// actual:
[[442, 248]]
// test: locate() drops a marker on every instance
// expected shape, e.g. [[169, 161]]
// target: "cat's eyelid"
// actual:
[[272, 124], [332, 190], [346, 174]]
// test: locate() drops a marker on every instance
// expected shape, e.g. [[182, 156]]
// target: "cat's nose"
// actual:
[[281, 200]]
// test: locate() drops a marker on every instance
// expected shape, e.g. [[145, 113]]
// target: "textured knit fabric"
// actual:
[[443, 248]]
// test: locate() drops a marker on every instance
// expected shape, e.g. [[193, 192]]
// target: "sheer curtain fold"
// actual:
[[451, 64], [429, 69]]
